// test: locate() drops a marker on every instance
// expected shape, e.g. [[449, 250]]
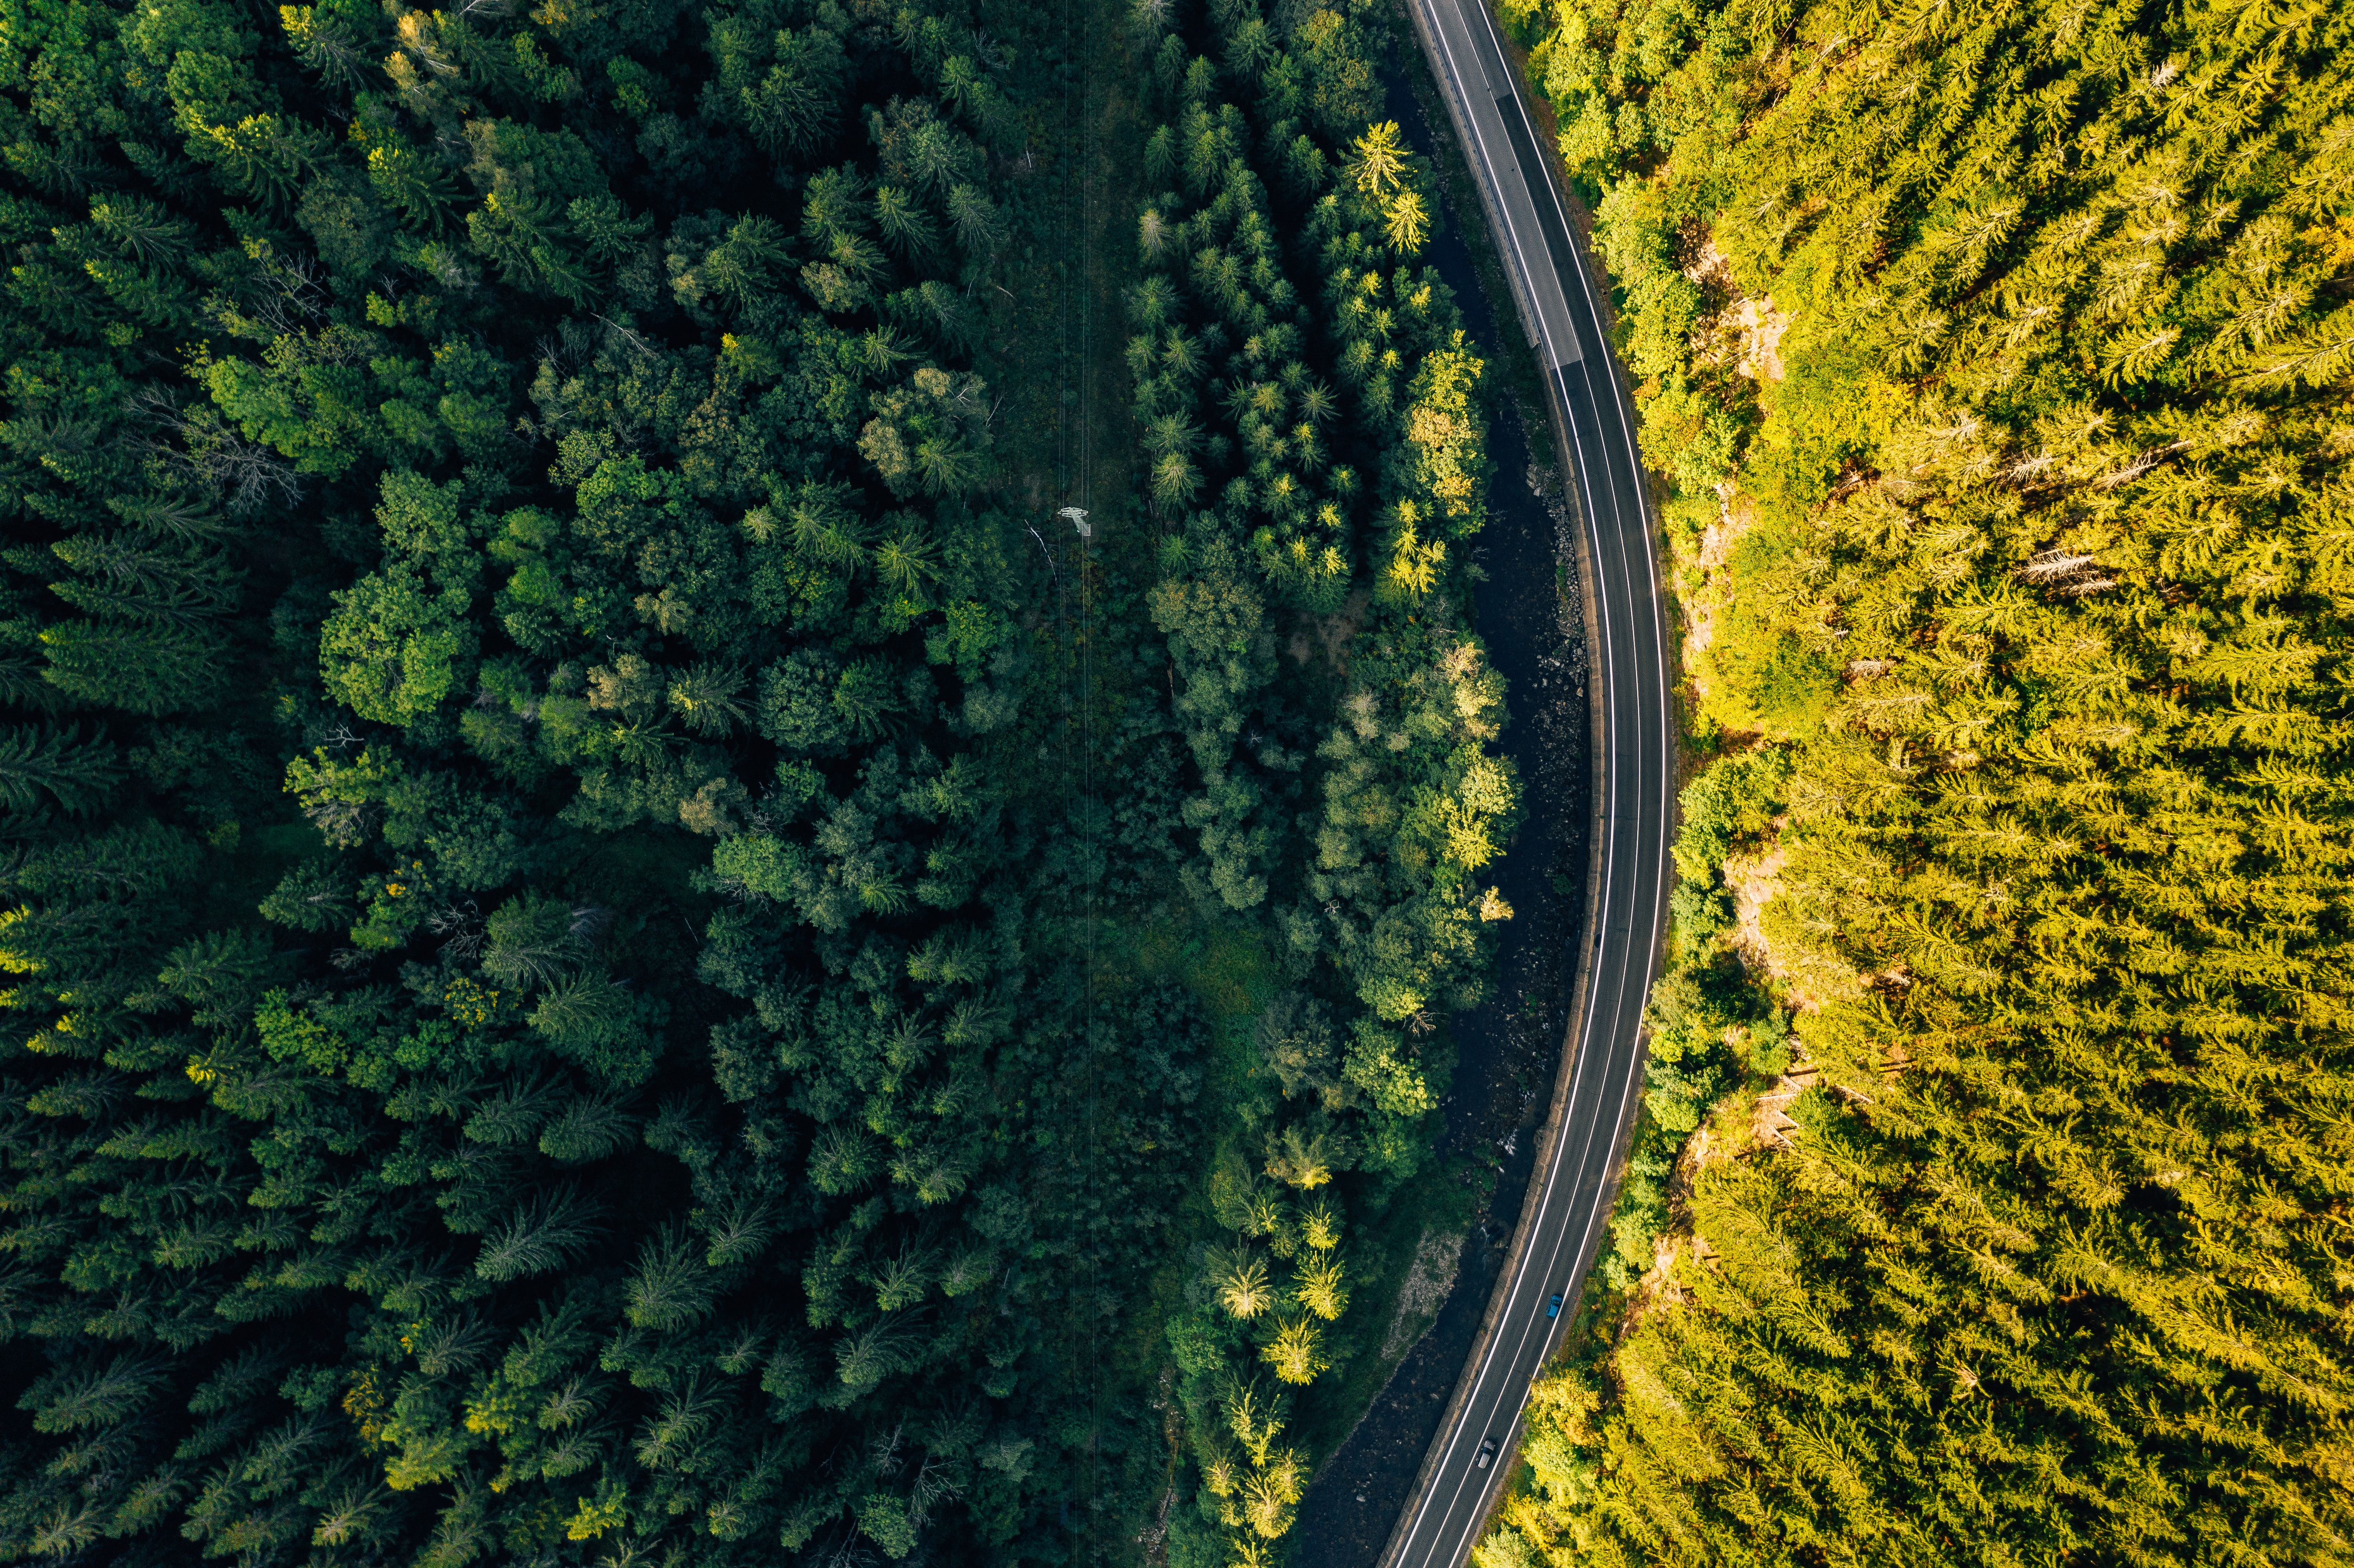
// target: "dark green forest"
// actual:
[[621, 946], [1991, 1204]]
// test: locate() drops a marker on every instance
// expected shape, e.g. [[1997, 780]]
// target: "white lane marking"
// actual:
[[1618, 1012], [1518, 1289], [1585, 1056], [1495, 182]]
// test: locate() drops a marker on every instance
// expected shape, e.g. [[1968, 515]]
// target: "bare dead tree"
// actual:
[[462, 926], [213, 459], [849, 1552], [933, 1486], [628, 338]]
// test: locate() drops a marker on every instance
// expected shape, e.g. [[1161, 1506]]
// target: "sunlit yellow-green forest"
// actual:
[[1999, 358]]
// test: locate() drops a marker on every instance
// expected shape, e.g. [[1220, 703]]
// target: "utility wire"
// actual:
[[1073, 465]]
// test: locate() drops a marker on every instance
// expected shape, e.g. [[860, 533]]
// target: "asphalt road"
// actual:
[[1564, 1224]]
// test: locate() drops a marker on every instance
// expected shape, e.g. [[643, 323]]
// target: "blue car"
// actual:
[[1553, 1308]]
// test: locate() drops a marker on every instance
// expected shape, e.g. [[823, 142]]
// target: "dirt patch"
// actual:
[[1746, 331], [1753, 880], [1706, 589], [1424, 1292], [1334, 633], [1761, 326]]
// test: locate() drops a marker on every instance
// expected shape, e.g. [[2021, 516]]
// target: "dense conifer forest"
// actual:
[[620, 946], [1990, 1202], [623, 944]]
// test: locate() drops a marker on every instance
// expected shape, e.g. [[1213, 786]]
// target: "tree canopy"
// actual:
[[2001, 360], [556, 943]]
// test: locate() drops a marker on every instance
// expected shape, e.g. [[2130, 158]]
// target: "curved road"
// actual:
[[1561, 1230]]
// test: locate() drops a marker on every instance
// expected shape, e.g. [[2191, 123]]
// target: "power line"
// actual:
[[1074, 465]]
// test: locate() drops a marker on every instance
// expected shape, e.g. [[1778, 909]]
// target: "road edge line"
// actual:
[[1565, 1075]]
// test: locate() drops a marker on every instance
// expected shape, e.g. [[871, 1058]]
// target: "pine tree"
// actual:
[[45, 762], [2047, 718]]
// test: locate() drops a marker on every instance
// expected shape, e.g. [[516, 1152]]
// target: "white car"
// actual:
[[1486, 1456]]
